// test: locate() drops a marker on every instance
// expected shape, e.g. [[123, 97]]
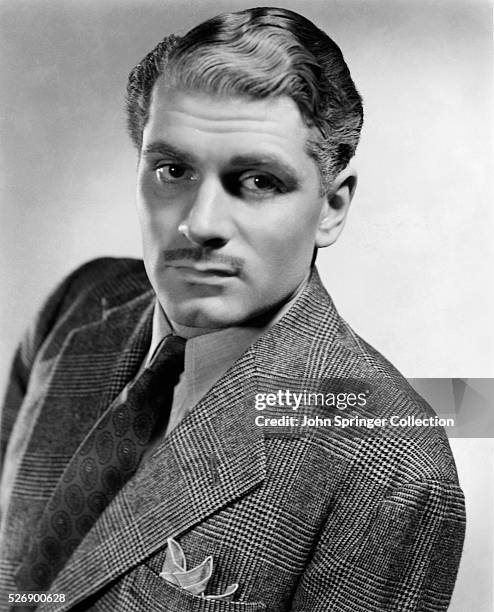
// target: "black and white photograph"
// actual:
[[247, 342]]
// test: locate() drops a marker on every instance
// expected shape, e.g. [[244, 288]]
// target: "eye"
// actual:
[[261, 184], [174, 173]]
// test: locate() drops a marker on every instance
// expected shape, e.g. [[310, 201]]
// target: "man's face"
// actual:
[[237, 174]]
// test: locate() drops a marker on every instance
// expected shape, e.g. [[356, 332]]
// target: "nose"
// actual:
[[208, 222]]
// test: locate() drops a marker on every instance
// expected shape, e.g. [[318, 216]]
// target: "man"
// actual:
[[152, 459]]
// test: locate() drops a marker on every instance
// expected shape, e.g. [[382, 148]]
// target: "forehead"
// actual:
[[218, 127]]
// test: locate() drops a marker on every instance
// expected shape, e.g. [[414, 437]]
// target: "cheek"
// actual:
[[158, 220], [285, 243], [280, 262]]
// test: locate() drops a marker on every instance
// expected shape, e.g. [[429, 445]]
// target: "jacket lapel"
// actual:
[[213, 457]]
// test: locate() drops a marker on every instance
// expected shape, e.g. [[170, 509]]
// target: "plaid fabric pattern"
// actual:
[[317, 522], [108, 457]]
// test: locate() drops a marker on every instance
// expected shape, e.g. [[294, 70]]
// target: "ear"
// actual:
[[335, 207]]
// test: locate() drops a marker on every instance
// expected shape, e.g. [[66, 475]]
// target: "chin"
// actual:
[[206, 316]]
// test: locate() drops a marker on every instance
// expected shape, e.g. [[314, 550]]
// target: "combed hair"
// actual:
[[259, 53]]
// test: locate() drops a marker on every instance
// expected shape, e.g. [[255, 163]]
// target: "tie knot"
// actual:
[[169, 353]]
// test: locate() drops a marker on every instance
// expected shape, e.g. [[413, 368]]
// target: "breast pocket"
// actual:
[[153, 593]]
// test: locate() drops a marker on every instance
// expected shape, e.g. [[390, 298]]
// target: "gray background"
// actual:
[[412, 271]]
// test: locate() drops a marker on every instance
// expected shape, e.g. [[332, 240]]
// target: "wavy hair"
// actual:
[[259, 53]]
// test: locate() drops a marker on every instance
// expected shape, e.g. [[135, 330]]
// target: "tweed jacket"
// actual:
[[327, 519]]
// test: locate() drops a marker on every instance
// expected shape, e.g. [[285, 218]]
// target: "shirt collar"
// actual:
[[209, 356]]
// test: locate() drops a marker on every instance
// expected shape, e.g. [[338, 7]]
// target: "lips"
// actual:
[[205, 269], [203, 272]]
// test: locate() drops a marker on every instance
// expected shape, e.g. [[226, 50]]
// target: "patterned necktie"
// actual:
[[106, 459]]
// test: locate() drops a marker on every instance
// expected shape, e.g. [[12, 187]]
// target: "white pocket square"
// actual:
[[194, 580]]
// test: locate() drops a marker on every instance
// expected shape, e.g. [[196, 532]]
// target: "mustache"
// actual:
[[204, 254]]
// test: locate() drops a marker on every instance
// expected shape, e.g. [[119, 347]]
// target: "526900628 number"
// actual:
[[36, 598]]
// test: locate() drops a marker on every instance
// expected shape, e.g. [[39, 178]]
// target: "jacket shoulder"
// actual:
[[368, 362], [77, 299], [80, 295], [411, 440]]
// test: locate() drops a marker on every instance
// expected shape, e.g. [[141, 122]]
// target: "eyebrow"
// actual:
[[165, 148], [273, 162], [253, 160]]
